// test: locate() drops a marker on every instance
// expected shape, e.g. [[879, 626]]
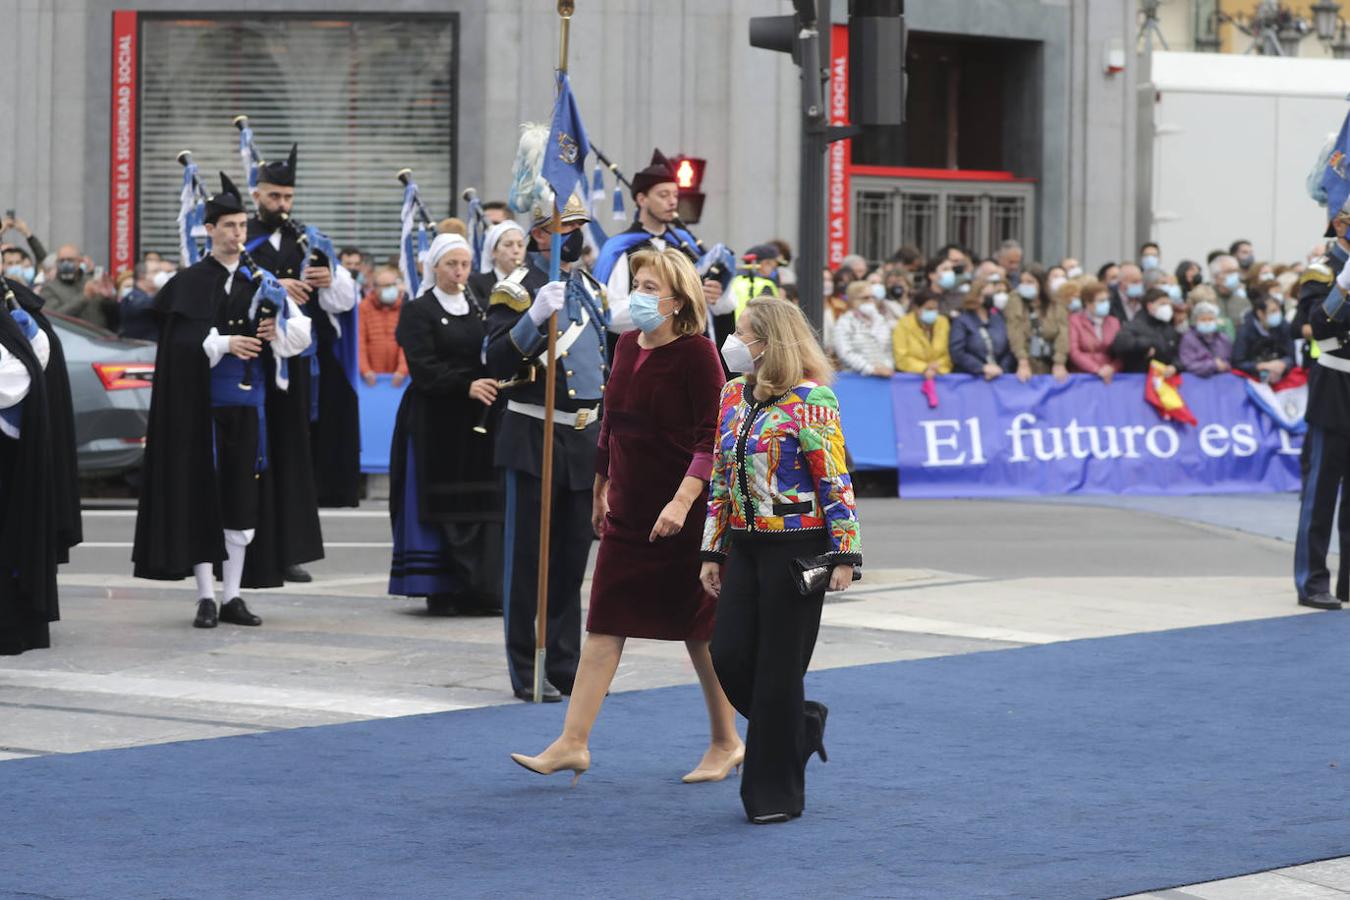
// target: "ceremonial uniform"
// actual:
[[517, 347], [61, 424], [29, 542], [1326, 444], [328, 390], [612, 263], [207, 468]]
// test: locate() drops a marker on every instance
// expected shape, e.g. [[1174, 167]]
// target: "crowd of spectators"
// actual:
[[928, 316], [1004, 315]]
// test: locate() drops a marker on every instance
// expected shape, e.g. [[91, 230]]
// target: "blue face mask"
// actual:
[[1148, 262], [1135, 291], [26, 274], [1232, 280], [1102, 308], [389, 294], [947, 280], [1275, 320], [645, 311], [928, 316], [1173, 291], [1075, 305], [1209, 326]]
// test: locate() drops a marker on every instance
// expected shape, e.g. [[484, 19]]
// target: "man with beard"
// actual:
[[314, 426], [207, 456]]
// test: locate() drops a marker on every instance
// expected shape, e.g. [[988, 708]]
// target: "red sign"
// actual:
[[837, 176], [122, 180]]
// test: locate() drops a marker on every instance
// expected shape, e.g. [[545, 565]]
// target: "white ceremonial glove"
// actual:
[[550, 299], [1343, 279]]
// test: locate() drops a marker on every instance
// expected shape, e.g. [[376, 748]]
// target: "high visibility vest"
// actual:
[[746, 287]]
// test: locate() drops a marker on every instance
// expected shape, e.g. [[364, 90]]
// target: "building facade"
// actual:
[[1019, 123]]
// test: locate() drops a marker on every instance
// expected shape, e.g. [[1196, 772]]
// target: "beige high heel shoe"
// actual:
[[577, 761], [733, 762]]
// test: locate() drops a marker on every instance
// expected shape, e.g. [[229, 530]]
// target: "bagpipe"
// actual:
[[414, 238], [716, 264], [271, 303], [477, 224], [193, 242]]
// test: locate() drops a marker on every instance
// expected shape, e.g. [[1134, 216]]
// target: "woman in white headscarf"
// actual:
[[503, 251], [444, 502]]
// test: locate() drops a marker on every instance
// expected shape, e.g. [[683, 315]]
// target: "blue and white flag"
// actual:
[[247, 155], [567, 148], [1336, 175], [413, 242], [192, 239]]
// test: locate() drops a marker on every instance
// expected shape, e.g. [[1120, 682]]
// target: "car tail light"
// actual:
[[120, 376]]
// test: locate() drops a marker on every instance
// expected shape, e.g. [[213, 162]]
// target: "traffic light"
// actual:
[[689, 179]]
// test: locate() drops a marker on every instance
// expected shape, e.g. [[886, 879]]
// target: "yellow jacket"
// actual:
[[914, 352]]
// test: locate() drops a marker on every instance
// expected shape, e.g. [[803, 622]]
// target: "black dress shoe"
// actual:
[[1323, 600], [772, 818], [816, 733], [296, 574], [236, 613], [549, 694], [206, 614], [442, 605]]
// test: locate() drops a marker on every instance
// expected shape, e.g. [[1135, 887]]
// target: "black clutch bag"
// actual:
[[811, 574]]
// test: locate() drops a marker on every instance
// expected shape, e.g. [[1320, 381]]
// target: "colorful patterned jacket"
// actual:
[[783, 459]]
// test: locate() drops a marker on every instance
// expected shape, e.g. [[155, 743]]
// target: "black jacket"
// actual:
[[1251, 346], [1144, 338]]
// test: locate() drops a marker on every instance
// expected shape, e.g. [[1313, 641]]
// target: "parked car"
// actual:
[[110, 380]]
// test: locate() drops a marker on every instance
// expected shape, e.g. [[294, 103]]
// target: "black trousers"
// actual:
[[761, 647], [570, 536], [1326, 476]]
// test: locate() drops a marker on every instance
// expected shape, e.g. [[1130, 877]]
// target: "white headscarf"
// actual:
[[443, 244], [485, 264]]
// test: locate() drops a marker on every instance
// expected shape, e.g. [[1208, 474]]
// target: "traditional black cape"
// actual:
[[29, 547], [61, 423], [178, 523]]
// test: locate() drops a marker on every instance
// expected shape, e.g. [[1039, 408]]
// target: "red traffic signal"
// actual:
[[689, 179]]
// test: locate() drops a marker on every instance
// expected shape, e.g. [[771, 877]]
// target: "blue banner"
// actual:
[[379, 406], [1004, 438]]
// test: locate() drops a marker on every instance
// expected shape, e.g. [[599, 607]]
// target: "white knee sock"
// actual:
[[232, 570], [206, 581]]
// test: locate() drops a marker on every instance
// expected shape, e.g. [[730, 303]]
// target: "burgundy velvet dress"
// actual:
[[659, 425]]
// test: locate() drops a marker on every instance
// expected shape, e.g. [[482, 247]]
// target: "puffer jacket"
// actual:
[[778, 470]]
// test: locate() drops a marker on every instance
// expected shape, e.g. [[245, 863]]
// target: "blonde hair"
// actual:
[[452, 226], [860, 289], [791, 353], [675, 269], [1067, 291]]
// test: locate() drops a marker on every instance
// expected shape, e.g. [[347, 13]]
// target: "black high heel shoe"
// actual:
[[822, 712]]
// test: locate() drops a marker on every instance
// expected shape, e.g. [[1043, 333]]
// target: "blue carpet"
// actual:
[[1085, 769]]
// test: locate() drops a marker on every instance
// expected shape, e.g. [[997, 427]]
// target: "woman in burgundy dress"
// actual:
[[652, 470]]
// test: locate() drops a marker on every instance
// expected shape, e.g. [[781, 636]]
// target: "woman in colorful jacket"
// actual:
[[779, 492]]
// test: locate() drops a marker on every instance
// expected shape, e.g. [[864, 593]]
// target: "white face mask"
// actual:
[[1163, 312], [1000, 300], [1075, 272], [161, 278], [738, 356], [868, 309], [1056, 283]]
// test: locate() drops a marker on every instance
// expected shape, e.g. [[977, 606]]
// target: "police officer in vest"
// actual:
[[1326, 444], [516, 352], [758, 275]]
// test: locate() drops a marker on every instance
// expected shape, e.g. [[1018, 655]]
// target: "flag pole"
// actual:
[[565, 10]]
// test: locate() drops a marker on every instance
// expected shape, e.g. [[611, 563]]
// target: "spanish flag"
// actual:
[[1163, 394]]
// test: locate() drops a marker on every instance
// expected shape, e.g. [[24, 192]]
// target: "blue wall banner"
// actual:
[[1004, 438]]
